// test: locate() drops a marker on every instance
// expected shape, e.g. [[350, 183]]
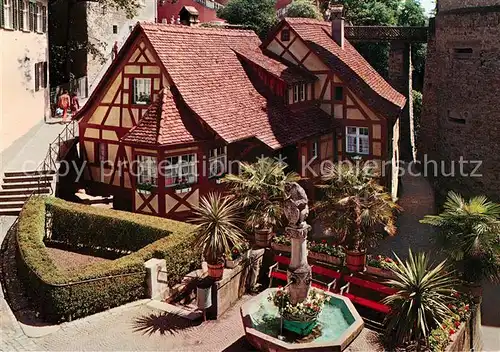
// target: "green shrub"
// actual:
[[103, 285]]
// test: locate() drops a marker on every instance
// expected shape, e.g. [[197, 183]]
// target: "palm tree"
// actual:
[[470, 235], [355, 205], [260, 190], [421, 302], [219, 229]]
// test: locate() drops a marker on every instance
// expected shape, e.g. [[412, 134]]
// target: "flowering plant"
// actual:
[[380, 261], [324, 247], [460, 308], [304, 311], [237, 251]]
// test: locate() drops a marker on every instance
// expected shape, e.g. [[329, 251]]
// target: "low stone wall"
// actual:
[[233, 286], [468, 336]]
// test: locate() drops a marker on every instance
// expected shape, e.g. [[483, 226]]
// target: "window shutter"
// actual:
[[37, 77], [44, 19], [45, 75], [30, 16], [21, 15], [2, 18], [35, 18], [15, 14]]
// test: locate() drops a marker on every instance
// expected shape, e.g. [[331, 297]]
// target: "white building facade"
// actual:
[[24, 83]]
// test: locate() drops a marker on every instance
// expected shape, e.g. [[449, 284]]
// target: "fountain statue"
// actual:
[[296, 211], [278, 319]]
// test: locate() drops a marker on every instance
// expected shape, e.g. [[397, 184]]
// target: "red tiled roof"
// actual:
[[350, 66], [205, 69], [289, 74], [162, 124]]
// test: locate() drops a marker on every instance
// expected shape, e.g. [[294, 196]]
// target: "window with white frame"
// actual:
[[146, 172], [358, 140], [142, 90], [180, 170], [24, 18], [218, 161], [7, 14], [299, 92], [39, 24], [315, 150]]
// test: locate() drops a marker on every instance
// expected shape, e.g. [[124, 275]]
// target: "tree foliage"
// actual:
[[260, 190], [470, 235], [355, 205], [304, 9], [259, 15]]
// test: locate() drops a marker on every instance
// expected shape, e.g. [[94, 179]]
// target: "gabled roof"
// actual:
[[162, 124], [348, 63], [204, 67]]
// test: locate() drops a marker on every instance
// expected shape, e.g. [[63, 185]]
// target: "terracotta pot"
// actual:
[[379, 272], [356, 260], [263, 238], [278, 247], [322, 257], [216, 271]]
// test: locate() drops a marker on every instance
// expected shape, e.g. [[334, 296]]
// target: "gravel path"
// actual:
[[71, 261]]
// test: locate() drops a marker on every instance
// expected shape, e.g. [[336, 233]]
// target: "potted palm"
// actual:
[[260, 190], [219, 229], [422, 301], [356, 207], [469, 235]]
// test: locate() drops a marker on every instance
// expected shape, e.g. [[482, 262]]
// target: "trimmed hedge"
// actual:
[[102, 285]]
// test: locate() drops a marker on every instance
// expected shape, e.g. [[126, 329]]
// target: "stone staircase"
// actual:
[[18, 186]]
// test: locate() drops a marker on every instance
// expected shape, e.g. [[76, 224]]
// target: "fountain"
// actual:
[[298, 317]]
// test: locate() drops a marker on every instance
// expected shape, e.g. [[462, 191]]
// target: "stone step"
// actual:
[[10, 211], [13, 198], [26, 173], [27, 178], [24, 191], [11, 205], [21, 185]]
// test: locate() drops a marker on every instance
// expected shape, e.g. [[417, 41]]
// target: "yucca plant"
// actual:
[[421, 303], [470, 235], [355, 205], [260, 190], [219, 227]]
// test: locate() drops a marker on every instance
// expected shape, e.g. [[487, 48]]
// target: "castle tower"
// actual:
[[461, 114]]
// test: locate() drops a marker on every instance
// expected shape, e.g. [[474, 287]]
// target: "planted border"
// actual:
[[64, 296]]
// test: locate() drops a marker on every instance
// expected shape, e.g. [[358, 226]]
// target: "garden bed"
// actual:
[[69, 261], [66, 294]]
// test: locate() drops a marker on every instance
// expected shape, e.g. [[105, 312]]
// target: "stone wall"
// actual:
[[461, 113], [100, 23], [446, 5]]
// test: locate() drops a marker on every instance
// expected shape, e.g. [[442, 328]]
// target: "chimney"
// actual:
[[337, 17]]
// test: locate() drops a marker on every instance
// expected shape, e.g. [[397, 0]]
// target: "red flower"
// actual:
[[451, 331], [466, 307], [280, 287], [449, 306], [457, 323], [323, 241], [388, 260]]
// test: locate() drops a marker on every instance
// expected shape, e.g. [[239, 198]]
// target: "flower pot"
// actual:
[[216, 271], [278, 247], [301, 328], [356, 260], [231, 264], [322, 257], [379, 272], [263, 237]]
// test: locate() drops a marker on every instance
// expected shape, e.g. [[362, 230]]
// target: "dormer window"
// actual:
[[299, 92], [285, 35]]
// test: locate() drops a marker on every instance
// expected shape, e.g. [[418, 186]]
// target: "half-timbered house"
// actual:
[[180, 103]]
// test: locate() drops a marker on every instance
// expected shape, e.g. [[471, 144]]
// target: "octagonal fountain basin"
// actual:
[[338, 325]]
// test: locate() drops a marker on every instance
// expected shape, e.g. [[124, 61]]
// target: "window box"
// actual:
[[183, 190], [145, 188]]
